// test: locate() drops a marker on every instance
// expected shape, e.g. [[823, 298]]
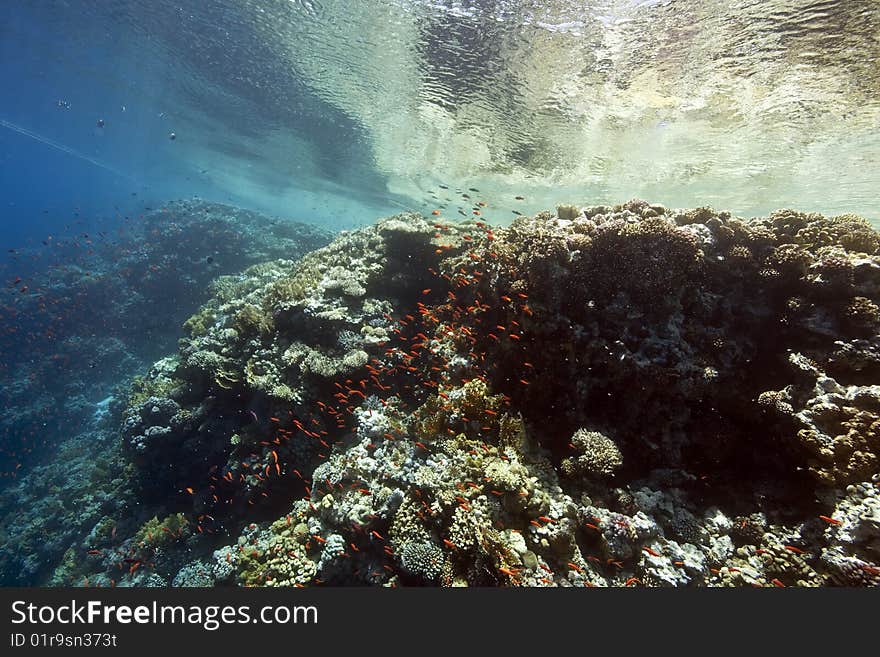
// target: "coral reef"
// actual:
[[605, 396], [598, 455], [96, 309], [61, 509]]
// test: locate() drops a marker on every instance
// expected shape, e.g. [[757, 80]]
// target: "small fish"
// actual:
[[520, 198], [473, 189]]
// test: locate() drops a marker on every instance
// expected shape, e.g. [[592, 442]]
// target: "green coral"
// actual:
[[277, 557], [251, 320], [295, 287], [200, 322], [70, 571], [103, 530], [144, 387], [471, 401], [157, 533]]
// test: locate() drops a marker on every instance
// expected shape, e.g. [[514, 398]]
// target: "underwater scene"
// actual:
[[444, 293]]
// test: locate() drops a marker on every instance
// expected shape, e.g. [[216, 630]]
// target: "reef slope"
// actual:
[[601, 396]]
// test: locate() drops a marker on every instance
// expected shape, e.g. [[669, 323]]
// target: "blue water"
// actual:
[[66, 66], [342, 112]]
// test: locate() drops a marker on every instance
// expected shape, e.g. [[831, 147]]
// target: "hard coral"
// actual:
[[598, 455]]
